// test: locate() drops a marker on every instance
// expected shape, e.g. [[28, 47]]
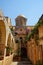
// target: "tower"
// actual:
[[20, 21], [20, 30]]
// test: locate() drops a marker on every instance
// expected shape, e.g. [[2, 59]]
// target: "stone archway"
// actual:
[[12, 45], [9, 40], [23, 53], [8, 45], [23, 50], [2, 38]]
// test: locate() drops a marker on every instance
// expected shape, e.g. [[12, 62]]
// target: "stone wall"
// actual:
[[1, 62], [7, 60], [34, 52], [5, 39]]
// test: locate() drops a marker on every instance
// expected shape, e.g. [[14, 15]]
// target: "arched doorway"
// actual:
[[23, 49], [8, 45], [12, 45], [2, 38], [9, 40], [23, 53]]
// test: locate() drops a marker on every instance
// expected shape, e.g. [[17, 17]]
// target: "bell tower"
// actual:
[[20, 21], [20, 30]]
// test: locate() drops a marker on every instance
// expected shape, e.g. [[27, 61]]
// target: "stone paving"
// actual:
[[14, 63], [22, 63]]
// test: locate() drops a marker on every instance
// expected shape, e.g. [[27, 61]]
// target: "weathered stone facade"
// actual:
[[7, 42], [14, 37]]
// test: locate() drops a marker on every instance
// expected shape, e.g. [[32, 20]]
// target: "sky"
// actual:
[[31, 9]]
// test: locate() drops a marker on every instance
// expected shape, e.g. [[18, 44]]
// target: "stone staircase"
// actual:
[[24, 63]]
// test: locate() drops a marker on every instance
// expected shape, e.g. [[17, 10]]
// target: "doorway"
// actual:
[[23, 50], [23, 53]]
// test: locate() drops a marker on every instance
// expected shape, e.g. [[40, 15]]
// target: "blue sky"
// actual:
[[31, 9]]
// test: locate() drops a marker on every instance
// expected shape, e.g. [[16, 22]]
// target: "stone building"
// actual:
[[7, 41], [20, 30], [20, 40], [29, 49]]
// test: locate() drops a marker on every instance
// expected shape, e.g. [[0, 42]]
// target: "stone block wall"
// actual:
[[7, 60], [34, 52]]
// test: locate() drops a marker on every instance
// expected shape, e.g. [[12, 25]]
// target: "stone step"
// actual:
[[25, 63], [22, 63]]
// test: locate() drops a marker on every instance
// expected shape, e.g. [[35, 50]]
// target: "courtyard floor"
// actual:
[[22, 63], [14, 63]]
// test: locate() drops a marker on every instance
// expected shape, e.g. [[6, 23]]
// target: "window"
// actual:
[[20, 37]]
